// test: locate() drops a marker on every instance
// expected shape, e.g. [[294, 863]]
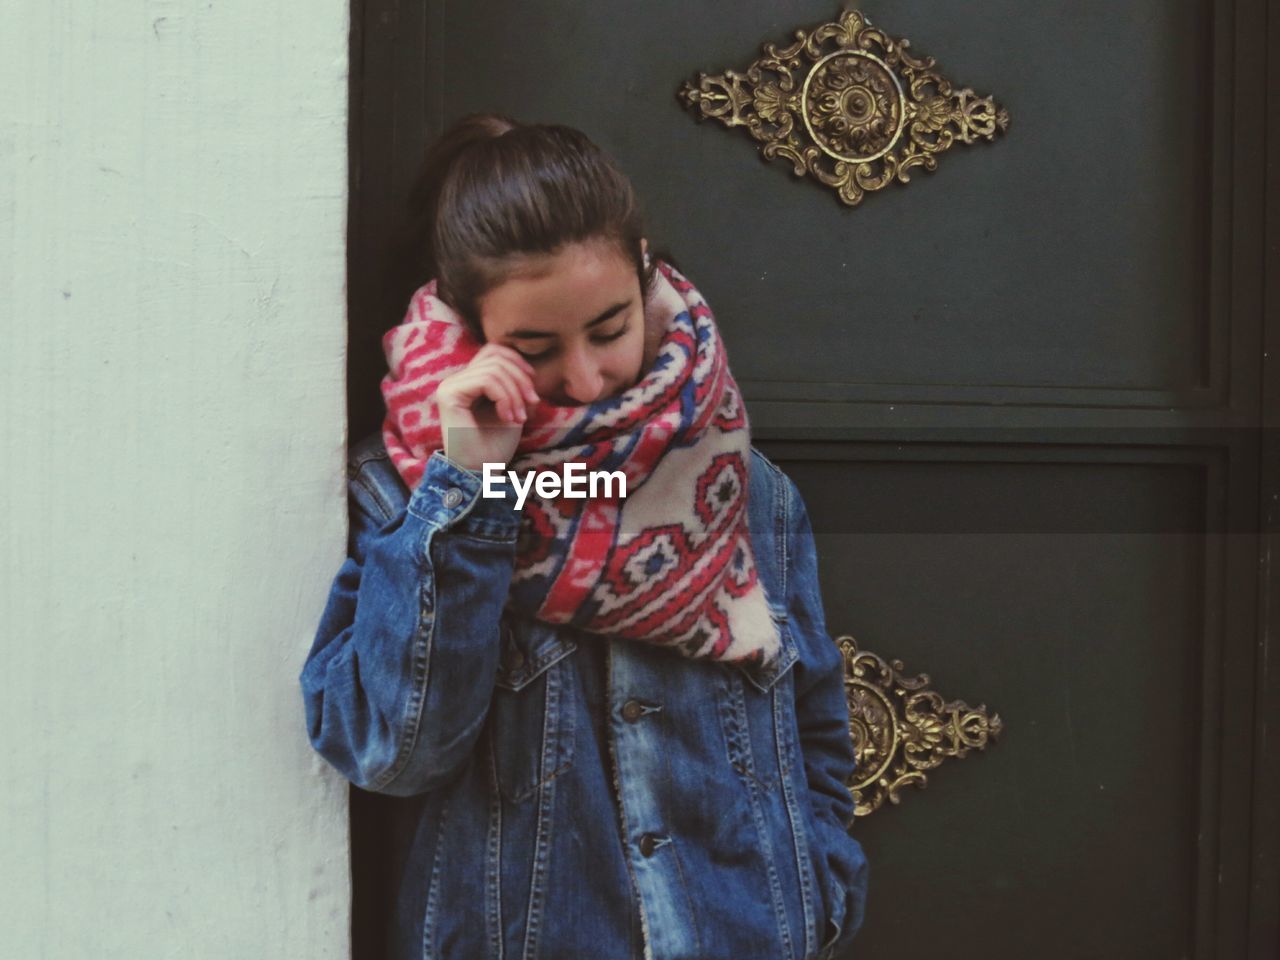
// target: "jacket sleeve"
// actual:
[[822, 711], [401, 673]]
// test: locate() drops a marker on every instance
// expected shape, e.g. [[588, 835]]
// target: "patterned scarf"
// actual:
[[671, 563]]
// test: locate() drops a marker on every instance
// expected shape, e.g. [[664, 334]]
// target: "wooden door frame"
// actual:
[[1264, 906]]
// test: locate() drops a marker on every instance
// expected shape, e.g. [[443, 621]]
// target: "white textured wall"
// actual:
[[172, 218]]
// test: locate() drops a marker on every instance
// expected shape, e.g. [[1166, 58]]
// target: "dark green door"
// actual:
[[1023, 397]]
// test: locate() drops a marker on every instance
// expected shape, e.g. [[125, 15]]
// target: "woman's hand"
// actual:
[[483, 406]]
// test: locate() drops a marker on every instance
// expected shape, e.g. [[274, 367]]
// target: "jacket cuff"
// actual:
[[451, 497]]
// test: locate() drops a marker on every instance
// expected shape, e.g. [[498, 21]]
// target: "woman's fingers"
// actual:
[[517, 368], [490, 380], [501, 375], [513, 394], [511, 360]]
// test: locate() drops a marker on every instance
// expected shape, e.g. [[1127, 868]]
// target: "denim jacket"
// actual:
[[583, 797]]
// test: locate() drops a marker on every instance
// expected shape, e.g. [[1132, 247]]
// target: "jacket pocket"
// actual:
[[746, 702], [841, 868], [531, 717], [764, 677]]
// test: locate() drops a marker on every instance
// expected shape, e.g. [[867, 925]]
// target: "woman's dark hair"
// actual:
[[492, 190]]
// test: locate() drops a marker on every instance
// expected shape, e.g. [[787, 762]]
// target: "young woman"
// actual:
[[623, 714]]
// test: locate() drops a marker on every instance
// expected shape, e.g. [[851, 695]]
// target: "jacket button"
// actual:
[[648, 843], [632, 710], [452, 497]]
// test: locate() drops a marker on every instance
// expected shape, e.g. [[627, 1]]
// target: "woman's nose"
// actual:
[[582, 380]]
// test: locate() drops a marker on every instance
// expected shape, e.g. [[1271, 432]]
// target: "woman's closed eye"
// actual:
[[605, 338]]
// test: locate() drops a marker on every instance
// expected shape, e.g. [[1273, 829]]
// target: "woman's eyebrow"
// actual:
[[612, 311]]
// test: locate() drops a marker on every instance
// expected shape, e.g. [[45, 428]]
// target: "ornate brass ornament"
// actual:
[[847, 104], [900, 728]]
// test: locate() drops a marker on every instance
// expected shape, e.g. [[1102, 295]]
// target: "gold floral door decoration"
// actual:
[[847, 104], [901, 729]]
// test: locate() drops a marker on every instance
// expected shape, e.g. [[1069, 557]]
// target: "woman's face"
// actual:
[[577, 315]]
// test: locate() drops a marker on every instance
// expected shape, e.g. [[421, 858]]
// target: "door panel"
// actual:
[[1069, 596], [1071, 254]]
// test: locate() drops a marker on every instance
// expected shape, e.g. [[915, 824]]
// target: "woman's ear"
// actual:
[[644, 250], [656, 323]]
